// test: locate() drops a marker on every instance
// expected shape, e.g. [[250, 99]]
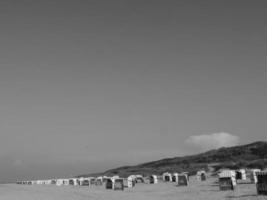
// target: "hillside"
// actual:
[[252, 155]]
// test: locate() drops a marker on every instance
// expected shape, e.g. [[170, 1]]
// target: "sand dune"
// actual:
[[167, 191]]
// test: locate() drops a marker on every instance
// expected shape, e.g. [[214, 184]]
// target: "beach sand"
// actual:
[[196, 190]]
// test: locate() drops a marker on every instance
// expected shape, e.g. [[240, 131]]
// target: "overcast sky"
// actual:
[[90, 85]]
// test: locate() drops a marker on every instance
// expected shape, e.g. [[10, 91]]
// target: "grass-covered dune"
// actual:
[[252, 155]]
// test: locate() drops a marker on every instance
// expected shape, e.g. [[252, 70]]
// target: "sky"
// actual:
[[89, 85]]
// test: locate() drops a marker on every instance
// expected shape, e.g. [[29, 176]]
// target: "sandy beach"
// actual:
[[207, 190]]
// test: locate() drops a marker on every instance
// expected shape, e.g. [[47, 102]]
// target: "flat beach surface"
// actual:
[[196, 190]]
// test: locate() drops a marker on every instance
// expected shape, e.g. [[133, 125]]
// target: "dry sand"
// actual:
[[197, 190]]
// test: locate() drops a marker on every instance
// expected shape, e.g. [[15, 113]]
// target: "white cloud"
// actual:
[[213, 141]]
